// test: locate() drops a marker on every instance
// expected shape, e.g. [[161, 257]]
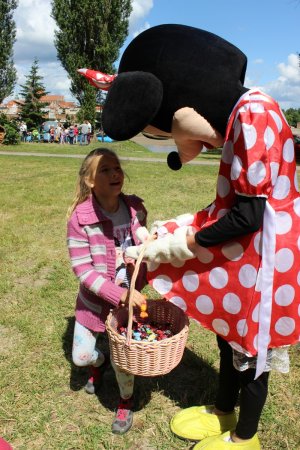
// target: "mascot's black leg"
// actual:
[[229, 381], [253, 393]]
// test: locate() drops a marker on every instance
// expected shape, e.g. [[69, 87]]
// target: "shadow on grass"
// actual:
[[192, 382]]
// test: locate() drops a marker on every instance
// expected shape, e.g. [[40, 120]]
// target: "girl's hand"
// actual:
[[137, 300]]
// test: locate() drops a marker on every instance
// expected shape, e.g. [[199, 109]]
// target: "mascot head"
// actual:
[[174, 81]]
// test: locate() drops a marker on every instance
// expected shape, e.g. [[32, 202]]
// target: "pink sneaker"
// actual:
[[124, 416]]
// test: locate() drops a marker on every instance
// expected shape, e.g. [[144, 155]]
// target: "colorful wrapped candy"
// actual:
[[150, 332]]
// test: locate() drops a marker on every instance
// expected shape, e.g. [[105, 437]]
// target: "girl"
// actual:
[[102, 222]]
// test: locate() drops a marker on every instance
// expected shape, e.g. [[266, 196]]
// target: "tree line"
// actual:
[[89, 33]]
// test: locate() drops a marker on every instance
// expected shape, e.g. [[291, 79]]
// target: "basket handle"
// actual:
[[132, 286]]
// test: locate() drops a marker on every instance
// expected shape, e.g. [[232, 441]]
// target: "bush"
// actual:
[[12, 136]]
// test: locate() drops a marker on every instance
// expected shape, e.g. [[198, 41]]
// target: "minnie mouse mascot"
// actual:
[[234, 265]]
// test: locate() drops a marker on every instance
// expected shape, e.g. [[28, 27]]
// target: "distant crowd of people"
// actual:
[[72, 134]]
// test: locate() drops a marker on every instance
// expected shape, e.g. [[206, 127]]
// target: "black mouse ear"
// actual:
[[131, 103], [173, 161]]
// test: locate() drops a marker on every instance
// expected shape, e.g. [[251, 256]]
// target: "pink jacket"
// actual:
[[93, 259]]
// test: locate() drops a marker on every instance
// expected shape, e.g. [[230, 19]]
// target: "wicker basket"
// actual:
[[147, 358]]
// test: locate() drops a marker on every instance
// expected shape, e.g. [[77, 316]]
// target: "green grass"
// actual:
[[42, 404]]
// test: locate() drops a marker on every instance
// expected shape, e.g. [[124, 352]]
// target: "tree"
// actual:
[[8, 72], [292, 116], [90, 34], [32, 111]]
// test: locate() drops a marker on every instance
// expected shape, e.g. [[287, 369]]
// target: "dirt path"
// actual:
[[122, 158]]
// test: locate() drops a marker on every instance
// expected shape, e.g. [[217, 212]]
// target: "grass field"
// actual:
[[42, 403]]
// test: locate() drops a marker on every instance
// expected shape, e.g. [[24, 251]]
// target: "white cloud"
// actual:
[[286, 88], [290, 71], [35, 31], [140, 9]]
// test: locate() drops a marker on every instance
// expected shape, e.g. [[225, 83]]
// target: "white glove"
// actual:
[[165, 249]]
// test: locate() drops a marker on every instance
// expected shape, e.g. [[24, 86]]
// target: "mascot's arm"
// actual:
[[244, 218]]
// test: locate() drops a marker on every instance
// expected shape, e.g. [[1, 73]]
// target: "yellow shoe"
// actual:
[[221, 443], [197, 423]]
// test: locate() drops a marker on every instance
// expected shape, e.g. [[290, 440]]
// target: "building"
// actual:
[[57, 109]]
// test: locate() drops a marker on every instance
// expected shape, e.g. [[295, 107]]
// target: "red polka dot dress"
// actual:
[[247, 290]]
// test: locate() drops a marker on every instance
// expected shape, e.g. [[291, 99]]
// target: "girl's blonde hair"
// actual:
[[82, 191]]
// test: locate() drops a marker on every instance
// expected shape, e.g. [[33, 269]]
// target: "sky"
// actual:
[[267, 31]]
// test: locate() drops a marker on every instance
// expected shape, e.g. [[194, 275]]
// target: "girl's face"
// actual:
[[106, 177]]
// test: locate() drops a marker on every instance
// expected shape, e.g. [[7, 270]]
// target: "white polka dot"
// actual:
[[178, 301], [211, 209], [233, 251], [260, 98], [232, 303], [204, 255], [274, 172], [222, 212], [236, 168], [288, 150], [204, 304], [162, 284], [237, 129], [284, 260], [218, 277], [298, 278], [258, 286], [258, 243], [282, 187], [277, 119], [257, 108], [285, 326], [269, 137], [242, 327], [220, 326], [296, 181], [284, 295], [190, 281], [255, 342], [256, 173], [223, 186], [250, 135], [255, 313], [244, 108], [283, 222], [227, 152], [297, 206], [299, 310], [247, 275]]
